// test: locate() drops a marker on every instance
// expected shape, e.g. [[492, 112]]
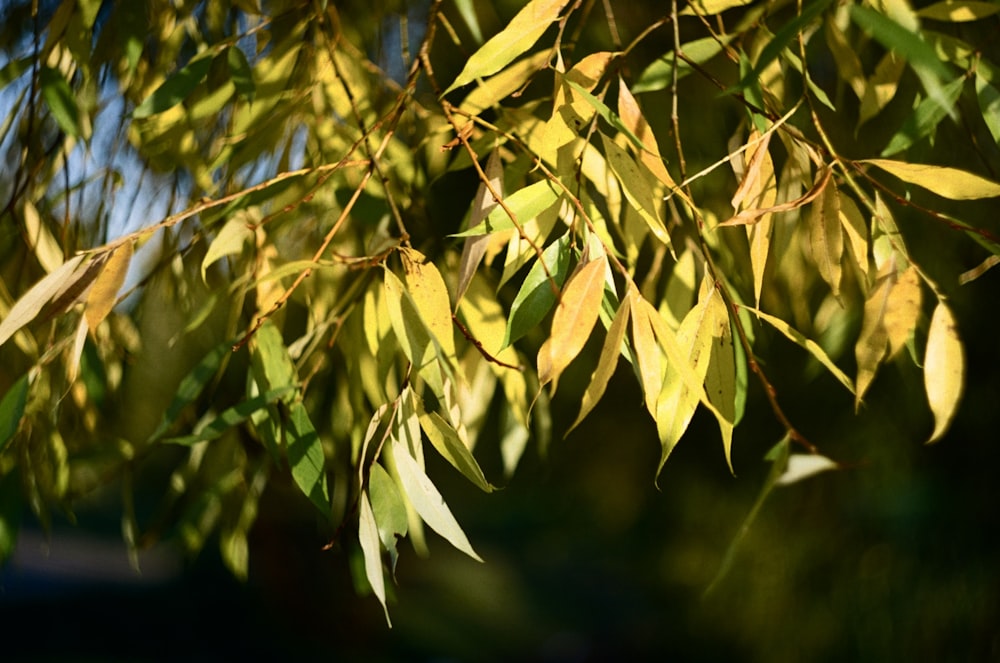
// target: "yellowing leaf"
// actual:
[[827, 238], [446, 440], [636, 187], [944, 369], [873, 340], [721, 377], [944, 181], [647, 353], [43, 244], [633, 119], [574, 318], [606, 364], [430, 295], [710, 7], [104, 293], [903, 309], [411, 332], [959, 10], [758, 190], [857, 232], [519, 35]]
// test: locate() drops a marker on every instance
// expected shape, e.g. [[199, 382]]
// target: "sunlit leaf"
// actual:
[[903, 309], [944, 369], [712, 6], [925, 118], [803, 466], [368, 537], [428, 501], [758, 189], [446, 440], [496, 88], [958, 10], [659, 74], [872, 344], [28, 306], [426, 286], [526, 204], [637, 188], [606, 364], [989, 103], [944, 181], [574, 319], [519, 35], [103, 294], [231, 239]]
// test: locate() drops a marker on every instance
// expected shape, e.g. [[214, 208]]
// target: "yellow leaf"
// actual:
[[43, 244], [610, 351], [870, 349], [944, 369], [903, 309], [634, 121], [574, 318], [519, 35], [709, 7], [647, 353], [636, 186], [104, 293], [430, 295], [758, 190], [475, 247], [857, 232], [720, 377], [499, 87], [231, 239], [827, 238], [959, 10], [946, 182]]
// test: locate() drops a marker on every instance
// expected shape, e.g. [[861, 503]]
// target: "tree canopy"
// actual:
[[311, 244]]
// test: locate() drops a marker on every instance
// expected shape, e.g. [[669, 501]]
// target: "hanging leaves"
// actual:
[[944, 181]]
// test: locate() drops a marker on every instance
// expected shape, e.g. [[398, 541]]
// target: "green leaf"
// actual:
[[925, 117], [909, 45], [240, 72], [538, 294], [659, 74], [228, 418], [13, 70], [989, 103], [368, 537], [12, 409], [427, 501], [60, 100], [519, 35], [526, 204], [191, 387], [175, 89], [446, 440], [784, 37], [231, 239], [389, 510], [944, 181], [305, 456]]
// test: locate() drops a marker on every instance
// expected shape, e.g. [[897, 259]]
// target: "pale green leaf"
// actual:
[[526, 204], [942, 180], [944, 369], [659, 74], [803, 466], [231, 239], [427, 501], [989, 104], [519, 35], [368, 537], [925, 118]]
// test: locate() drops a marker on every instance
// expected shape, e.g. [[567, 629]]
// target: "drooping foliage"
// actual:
[[311, 242]]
